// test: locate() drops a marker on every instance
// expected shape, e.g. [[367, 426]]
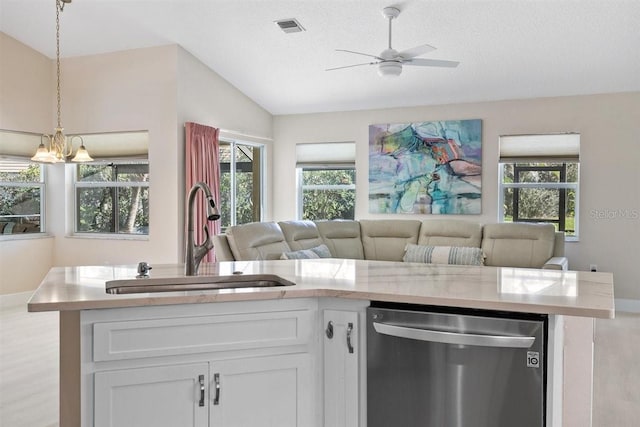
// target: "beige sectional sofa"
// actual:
[[505, 244]]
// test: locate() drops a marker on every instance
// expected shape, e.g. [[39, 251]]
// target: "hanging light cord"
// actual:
[[59, 150], [59, 7]]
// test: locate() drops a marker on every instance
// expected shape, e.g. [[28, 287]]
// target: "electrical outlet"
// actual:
[[593, 267]]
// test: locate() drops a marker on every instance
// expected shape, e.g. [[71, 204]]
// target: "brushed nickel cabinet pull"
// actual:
[[201, 381], [216, 381], [349, 331]]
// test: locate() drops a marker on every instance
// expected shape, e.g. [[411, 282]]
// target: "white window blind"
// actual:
[[325, 153], [523, 148]]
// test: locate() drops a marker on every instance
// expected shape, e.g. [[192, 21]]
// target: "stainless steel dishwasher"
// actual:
[[434, 367]]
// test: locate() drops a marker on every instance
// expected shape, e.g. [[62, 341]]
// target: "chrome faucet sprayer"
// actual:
[[194, 253]]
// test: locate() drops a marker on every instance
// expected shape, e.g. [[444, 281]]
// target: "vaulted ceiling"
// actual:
[[508, 49]]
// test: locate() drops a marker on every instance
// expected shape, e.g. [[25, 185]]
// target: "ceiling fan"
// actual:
[[390, 61]]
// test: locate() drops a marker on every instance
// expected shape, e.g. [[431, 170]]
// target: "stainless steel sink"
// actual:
[[194, 283]]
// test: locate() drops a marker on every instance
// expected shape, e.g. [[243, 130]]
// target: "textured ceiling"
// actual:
[[507, 49]]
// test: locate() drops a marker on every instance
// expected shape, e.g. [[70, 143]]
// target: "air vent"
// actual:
[[289, 25]]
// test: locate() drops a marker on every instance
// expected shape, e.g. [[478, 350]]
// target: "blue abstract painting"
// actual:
[[426, 168]]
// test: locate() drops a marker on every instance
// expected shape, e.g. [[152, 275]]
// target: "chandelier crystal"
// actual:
[[59, 148]]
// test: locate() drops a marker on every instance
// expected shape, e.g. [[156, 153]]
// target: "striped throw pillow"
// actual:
[[443, 255]]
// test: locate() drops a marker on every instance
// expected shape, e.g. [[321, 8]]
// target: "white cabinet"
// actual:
[[245, 364], [262, 391], [220, 365], [342, 352], [269, 391], [157, 396]]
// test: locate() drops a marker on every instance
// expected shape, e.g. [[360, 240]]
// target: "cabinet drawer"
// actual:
[[184, 335]]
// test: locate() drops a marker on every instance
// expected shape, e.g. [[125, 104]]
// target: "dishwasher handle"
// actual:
[[453, 337]]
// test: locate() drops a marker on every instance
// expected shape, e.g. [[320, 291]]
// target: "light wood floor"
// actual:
[[28, 365], [29, 368], [616, 384]]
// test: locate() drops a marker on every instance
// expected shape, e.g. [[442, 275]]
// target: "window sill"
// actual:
[[24, 236], [104, 236]]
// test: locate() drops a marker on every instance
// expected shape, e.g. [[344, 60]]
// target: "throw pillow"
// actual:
[[443, 255], [321, 251]]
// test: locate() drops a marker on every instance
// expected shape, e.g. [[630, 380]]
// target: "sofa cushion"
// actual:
[[342, 237], [450, 232], [256, 241], [385, 239], [320, 251], [221, 248], [558, 244], [458, 255], [518, 244], [300, 234]]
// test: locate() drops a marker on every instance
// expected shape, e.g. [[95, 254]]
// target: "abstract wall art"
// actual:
[[426, 167]]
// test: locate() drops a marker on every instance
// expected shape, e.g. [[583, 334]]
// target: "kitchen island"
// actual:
[[277, 335]]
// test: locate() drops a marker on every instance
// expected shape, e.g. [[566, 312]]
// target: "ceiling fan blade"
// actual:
[[349, 66], [424, 62], [359, 53], [416, 51]]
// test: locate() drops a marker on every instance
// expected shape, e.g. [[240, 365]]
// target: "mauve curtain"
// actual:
[[201, 144]]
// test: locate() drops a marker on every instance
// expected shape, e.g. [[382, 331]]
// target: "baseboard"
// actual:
[[11, 300], [628, 305]]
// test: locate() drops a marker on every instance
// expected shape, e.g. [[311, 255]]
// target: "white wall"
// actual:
[[609, 161]]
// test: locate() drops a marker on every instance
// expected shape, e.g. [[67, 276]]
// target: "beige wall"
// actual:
[[158, 89], [154, 89], [129, 90], [24, 263], [206, 98], [609, 179], [26, 97], [27, 87]]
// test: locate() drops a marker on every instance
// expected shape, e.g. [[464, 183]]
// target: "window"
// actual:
[[22, 190], [326, 181], [539, 180], [241, 178], [327, 193], [112, 198]]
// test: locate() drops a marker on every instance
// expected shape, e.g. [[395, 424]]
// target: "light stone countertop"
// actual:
[[571, 293]]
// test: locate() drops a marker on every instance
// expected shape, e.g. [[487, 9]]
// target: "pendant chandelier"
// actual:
[[56, 148]]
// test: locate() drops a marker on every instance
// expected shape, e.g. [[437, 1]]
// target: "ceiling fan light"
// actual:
[[389, 69]]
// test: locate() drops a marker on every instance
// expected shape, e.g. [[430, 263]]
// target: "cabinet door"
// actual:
[[269, 391], [341, 375], [155, 397]]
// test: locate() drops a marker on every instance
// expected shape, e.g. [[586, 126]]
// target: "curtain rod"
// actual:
[[240, 134]]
